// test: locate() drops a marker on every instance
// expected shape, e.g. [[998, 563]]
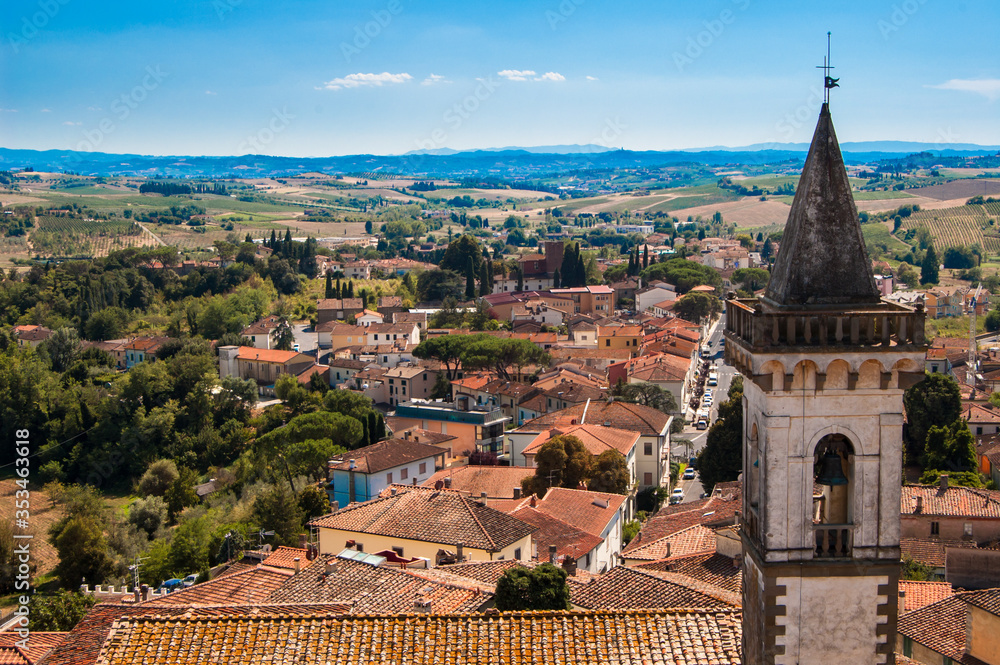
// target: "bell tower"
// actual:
[[825, 362]]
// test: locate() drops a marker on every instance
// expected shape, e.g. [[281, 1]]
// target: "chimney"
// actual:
[[447, 483], [460, 552], [552, 554], [351, 463], [392, 491], [517, 492], [138, 594], [666, 554], [944, 481], [296, 564], [482, 498], [569, 565], [330, 568], [144, 591], [533, 502], [421, 605]]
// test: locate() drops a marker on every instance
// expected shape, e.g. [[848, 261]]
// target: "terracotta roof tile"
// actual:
[[595, 438], [915, 595], [498, 482], [269, 355], [713, 511], [631, 588], [712, 568], [38, 644], [284, 557], [953, 501], [249, 586], [930, 551], [569, 540], [681, 637], [588, 511], [384, 455], [985, 599], [619, 415], [488, 572], [695, 539], [429, 515], [939, 626], [374, 589]]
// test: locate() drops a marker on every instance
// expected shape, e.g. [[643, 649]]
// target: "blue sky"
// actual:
[[311, 78]]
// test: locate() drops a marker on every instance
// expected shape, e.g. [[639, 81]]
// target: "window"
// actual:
[[935, 528], [607, 342], [404, 474], [388, 477], [587, 561], [648, 448], [647, 478], [979, 430], [398, 550], [423, 467], [967, 528]]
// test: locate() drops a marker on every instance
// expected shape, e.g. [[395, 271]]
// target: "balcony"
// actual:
[[494, 444], [885, 324], [833, 541]]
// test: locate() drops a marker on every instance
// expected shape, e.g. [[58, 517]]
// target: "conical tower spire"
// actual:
[[822, 261]]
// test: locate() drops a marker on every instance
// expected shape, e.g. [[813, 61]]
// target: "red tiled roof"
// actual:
[[595, 438], [374, 589], [978, 413], [914, 595], [569, 540], [497, 481], [428, 515], [695, 539], [37, 644], [619, 415], [249, 586], [711, 568], [929, 551], [939, 626], [283, 557], [715, 510], [488, 572], [679, 637], [985, 599], [631, 589], [589, 511], [384, 455], [268, 355], [953, 501]]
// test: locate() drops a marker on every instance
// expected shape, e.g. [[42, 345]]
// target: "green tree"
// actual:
[[683, 274], [347, 403], [916, 571], [540, 588], [59, 612], [436, 285], [610, 474], [721, 459], [83, 552], [697, 306], [470, 280], [148, 514], [328, 291], [447, 349], [442, 387], [992, 321], [158, 478], [752, 279], [929, 267], [647, 394], [181, 493], [276, 509], [314, 502], [284, 336], [562, 461], [502, 355], [61, 348], [935, 401], [950, 448], [460, 251], [651, 498]]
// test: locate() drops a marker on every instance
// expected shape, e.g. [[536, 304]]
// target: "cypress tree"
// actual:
[[350, 289], [336, 289], [365, 436], [555, 279], [380, 426], [520, 279], [645, 257], [470, 280], [273, 243], [631, 265], [328, 290], [484, 280]]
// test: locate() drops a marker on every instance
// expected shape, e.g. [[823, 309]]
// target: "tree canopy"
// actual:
[[540, 588], [935, 401], [683, 274], [721, 460]]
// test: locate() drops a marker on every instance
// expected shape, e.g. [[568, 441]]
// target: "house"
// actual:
[[113, 347], [940, 303], [368, 317], [657, 292], [141, 349], [406, 382], [982, 419], [598, 300], [652, 448], [427, 523], [633, 588], [442, 441], [337, 335], [384, 333], [362, 474], [474, 427], [262, 365], [583, 333], [358, 270], [597, 515], [389, 306], [418, 318], [338, 309], [962, 628], [666, 371], [261, 332], [595, 438], [343, 371], [30, 335], [949, 512], [619, 337]]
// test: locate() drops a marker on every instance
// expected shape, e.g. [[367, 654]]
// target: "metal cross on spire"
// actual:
[[828, 81]]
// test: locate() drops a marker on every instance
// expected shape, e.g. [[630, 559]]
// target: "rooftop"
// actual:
[[619, 415], [497, 481], [384, 455], [633, 588]]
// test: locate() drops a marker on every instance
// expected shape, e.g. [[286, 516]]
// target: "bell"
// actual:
[[832, 472]]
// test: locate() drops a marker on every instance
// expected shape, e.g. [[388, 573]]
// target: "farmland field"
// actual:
[[67, 236], [749, 212], [959, 226], [959, 189]]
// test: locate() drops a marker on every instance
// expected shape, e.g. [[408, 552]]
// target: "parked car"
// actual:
[[171, 584], [688, 474], [189, 580], [702, 423]]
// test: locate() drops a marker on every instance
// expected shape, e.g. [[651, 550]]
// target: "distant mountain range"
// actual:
[[508, 162]]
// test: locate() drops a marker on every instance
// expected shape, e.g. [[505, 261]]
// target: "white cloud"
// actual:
[[434, 78], [988, 88], [593, 78], [209, 92], [8, 110], [46, 111], [70, 123], [93, 108], [360, 80], [516, 74], [551, 76]]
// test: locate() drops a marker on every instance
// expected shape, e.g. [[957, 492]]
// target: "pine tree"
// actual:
[[328, 291], [929, 267]]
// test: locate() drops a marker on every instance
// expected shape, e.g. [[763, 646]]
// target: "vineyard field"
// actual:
[[69, 236], [957, 227]]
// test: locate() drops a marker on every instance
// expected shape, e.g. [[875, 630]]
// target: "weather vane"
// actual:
[[828, 81]]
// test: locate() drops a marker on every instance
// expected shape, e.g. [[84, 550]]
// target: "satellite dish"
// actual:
[[266, 548]]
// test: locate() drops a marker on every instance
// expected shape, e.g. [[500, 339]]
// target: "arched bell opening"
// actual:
[[833, 483]]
